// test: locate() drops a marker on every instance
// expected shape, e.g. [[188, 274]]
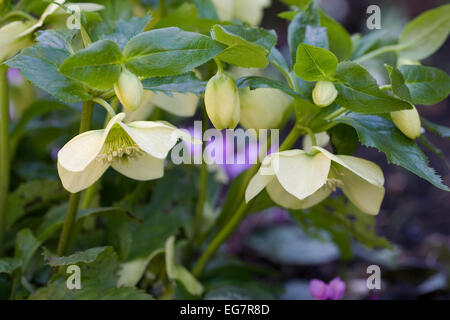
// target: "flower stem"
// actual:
[[85, 123], [237, 217], [376, 53], [4, 148], [198, 222]]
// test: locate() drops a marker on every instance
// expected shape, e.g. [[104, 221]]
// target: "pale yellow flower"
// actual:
[[263, 108], [297, 180], [324, 93], [408, 122], [249, 11], [136, 150]]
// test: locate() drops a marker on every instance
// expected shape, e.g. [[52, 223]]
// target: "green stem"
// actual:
[[198, 222], [237, 217], [85, 123], [219, 64], [4, 148], [105, 105], [376, 53], [312, 136], [335, 114]]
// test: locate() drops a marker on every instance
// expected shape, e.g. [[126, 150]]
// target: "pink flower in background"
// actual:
[[334, 290], [14, 77]]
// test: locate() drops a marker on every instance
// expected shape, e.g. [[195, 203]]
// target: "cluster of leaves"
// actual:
[[139, 223]]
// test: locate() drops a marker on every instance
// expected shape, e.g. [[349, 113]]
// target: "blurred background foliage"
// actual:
[[274, 253]]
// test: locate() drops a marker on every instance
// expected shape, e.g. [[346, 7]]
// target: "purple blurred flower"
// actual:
[[14, 77], [334, 290]]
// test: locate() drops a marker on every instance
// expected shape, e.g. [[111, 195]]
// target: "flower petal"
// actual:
[[363, 194], [301, 174], [183, 105], [283, 198], [363, 168], [154, 138], [143, 168], [79, 152], [76, 181]]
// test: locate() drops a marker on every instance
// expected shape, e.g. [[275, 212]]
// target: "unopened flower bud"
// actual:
[[129, 90], [324, 93], [408, 122], [406, 61], [222, 101], [263, 108]]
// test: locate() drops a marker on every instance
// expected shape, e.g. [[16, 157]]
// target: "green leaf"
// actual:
[[9, 265], [44, 58], [372, 132], [124, 30], [425, 34], [99, 275], [443, 131], [427, 85], [87, 256], [168, 52], [54, 218], [339, 39], [255, 82], [297, 28], [180, 273], [26, 246], [98, 66], [359, 91], [344, 139], [398, 83], [184, 83], [315, 64], [32, 195], [277, 60], [247, 47], [184, 17]]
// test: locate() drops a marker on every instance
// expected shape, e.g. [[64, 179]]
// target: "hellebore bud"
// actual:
[[408, 122], [324, 93], [129, 90], [263, 108], [222, 101]]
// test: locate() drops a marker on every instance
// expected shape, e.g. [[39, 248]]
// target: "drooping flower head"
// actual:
[[296, 179], [137, 150]]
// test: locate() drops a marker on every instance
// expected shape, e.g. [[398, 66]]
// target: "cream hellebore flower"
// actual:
[[222, 101], [263, 108], [250, 11], [136, 150], [324, 93], [179, 104], [295, 179], [11, 40]]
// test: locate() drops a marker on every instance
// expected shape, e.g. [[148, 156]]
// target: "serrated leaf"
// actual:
[[168, 52], [184, 83], [9, 265], [87, 256], [372, 132], [359, 91], [26, 246], [314, 63], [398, 83], [297, 28], [99, 65], [427, 85], [247, 47], [425, 34], [344, 139], [44, 58]]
